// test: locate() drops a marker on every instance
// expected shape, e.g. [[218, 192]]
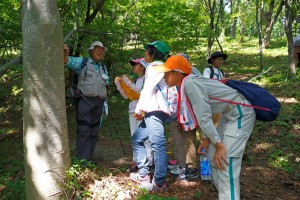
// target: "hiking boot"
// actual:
[[162, 188], [139, 179], [132, 168], [177, 171], [190, 173]]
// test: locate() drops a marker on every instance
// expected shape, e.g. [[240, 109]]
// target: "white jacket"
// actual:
[[154, 93]]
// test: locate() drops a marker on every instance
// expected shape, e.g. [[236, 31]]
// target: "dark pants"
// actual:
[[89, 112]]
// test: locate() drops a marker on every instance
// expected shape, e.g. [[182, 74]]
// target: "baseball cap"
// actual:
[[160, 46], [217, 54], [97, 43], [139, 61], [177, 62]]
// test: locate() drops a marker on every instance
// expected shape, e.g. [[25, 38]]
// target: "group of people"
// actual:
[[169, 90]]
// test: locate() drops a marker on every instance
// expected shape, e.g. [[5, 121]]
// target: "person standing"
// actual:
[[132, 91], [224, 149], [214, 71], [153, 110], [92, 90]]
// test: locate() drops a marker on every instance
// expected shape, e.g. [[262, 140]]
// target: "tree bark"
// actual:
[[290, 16], [270, 20], [46, 146]]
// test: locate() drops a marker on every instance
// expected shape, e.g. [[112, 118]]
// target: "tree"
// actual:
[[291, 7], [46, 145], [269, 18]]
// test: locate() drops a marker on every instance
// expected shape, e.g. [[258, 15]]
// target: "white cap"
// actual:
[[97, 43]]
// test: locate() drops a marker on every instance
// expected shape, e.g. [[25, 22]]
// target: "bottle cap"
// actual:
[[203, 150]]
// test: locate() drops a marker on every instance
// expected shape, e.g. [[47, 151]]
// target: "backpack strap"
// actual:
[[239, 103], [212, 72]]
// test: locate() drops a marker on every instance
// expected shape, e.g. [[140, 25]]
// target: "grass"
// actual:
[[278, 141]]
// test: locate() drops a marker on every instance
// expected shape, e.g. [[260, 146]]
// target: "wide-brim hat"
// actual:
[[160, 46], [139, 61], [97, 43], [217, 54]]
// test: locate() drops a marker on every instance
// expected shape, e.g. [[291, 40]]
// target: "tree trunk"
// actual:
[[289, 18], [258, 25], [270, 20], [46, 145]]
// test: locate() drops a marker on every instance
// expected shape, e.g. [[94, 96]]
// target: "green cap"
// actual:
[[160, 46]]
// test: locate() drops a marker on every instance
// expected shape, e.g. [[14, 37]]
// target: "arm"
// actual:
[[122, 92], [206, 72], [152, 78], [198, 97], [66, 54]]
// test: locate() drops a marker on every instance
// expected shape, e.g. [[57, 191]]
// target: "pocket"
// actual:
[[88, 89], [102, 92]]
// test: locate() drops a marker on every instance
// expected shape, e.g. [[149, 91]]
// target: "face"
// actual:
[[97, 53], [138, 69], [218, 62], [148, 57], [173, 78]]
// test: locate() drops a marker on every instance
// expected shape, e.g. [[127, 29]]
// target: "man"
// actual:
[[226, 148], [153, 103], [89, 108]]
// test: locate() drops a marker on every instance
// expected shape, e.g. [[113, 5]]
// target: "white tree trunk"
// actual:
[[46, 142]]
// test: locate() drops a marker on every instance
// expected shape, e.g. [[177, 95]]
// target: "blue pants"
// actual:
[[152, 128], [89, 112]]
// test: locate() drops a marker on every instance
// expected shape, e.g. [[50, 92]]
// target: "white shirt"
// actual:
[[218, 75], [154, 93]]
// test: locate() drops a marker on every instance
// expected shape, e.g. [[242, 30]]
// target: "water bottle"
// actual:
[[204, 166]]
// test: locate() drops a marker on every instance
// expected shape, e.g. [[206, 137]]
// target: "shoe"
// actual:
[[190, 173], [177, 171], [171, 167], [132, 168], [162, 188], [139, 179]]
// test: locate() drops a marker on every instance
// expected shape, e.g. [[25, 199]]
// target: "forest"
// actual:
[[37, 116]]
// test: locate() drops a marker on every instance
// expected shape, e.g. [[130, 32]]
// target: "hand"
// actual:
[[219, 157], [138, 117], [66, 53], [204, 145], [117, 79]]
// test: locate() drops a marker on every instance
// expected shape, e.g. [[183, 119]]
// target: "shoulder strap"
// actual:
[[212, 72], [222, 72]]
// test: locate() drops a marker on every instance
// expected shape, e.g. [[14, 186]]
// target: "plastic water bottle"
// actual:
[[204, 166]]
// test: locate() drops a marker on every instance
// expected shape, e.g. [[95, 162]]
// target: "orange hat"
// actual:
[[177, 62]]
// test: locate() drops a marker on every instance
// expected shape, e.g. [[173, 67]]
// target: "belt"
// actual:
[[239, 98]]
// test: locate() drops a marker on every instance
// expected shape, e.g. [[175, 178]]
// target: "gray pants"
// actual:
[[89, 112], [236, 125]]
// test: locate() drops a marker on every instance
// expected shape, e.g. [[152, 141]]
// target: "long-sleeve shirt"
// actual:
[[137, 86], [198, 91], [75, 63], [154, 93]]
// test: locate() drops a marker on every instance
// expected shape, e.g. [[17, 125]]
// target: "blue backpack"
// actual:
[[265, 105]]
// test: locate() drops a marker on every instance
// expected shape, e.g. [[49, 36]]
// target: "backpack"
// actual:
[[265, 105], [212, 72]]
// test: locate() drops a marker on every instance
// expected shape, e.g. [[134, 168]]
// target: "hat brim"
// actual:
[[224, 56], [161, 68]]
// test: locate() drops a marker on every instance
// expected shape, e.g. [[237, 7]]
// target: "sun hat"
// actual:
[[216, 54], [139, 61], [160, 46], [177, 62], [97, 43]]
